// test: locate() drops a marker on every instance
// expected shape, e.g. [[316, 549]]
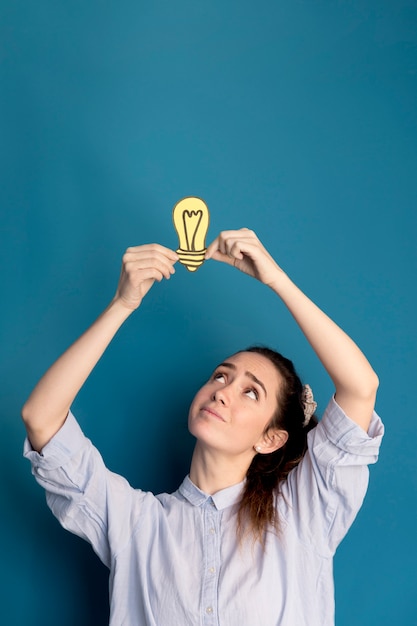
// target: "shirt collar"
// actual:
[[221, 499]]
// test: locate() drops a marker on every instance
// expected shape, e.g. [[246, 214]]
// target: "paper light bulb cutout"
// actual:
[[191, 220]]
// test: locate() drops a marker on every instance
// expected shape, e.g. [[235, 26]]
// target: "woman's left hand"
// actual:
[[242, 249]]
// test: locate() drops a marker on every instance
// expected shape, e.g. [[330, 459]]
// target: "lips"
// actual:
[[213, 413]]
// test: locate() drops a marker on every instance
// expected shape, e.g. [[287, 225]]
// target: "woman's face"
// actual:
[[232, 410]]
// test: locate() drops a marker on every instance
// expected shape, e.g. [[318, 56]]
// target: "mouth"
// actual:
[[212, 413]]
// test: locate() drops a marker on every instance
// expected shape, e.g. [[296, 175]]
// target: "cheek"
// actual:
[[198, 399], [194, 423], [192, 408]]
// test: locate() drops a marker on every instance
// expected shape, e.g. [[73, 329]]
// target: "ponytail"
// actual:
[[257, 510]]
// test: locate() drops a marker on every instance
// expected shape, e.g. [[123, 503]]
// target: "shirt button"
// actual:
[[209, 610], [212, 570], [212, 531]]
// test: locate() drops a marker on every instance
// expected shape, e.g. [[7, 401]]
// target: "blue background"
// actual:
[[295, 118]]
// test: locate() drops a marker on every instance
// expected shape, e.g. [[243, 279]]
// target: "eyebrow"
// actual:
[[256, 380]]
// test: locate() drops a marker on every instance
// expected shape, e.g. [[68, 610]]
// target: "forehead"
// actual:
[[258, 365]]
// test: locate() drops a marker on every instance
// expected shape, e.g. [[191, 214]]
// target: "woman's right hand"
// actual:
[[142, 266], [47, 407]]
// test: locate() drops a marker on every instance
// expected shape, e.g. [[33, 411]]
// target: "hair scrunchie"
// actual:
[[309, 405]]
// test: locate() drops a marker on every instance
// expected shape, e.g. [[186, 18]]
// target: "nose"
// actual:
[[221, 395]]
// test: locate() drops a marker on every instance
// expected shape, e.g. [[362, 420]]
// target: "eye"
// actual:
[[220, 377], [252, 393]]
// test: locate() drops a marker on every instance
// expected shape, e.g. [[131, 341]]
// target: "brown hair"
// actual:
[[257, 510]]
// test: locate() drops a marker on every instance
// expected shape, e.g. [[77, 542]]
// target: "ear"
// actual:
[[271, 441]]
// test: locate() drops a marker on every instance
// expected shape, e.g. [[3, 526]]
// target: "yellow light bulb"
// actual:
[[191, 220]]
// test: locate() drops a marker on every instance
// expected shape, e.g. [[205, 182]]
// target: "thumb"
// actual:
[[223, 258]]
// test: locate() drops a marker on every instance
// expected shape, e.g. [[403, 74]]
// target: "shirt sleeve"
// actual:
[[327, 488], [83, 494]]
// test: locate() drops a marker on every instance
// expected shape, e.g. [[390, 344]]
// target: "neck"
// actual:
[[212, 470]]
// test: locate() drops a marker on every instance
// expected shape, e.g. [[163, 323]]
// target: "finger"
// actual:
[[243, 254], [235, 245], [135, 268], [151, 274], [153, 247], [143, 256], [211, 249], [223, 258], [224, 241], [237, 252]]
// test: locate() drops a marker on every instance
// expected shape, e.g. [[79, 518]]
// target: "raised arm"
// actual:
[[47, 407], [355, 381]]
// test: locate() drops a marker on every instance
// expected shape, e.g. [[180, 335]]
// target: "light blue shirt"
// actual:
[[174, 559]]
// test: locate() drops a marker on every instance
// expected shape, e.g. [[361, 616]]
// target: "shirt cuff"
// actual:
[[64, 444], [349, 436]]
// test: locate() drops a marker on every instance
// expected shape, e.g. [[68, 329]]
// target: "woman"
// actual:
[[249, 536]]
